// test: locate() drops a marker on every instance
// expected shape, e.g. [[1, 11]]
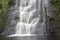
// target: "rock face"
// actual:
[[50, 17], [13, 18]]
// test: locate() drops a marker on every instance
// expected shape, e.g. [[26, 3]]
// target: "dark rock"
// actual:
[[51, 31], [16, 18]]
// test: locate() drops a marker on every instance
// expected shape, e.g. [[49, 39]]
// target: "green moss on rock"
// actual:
[[4, 6]]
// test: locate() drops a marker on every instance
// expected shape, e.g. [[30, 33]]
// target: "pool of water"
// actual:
[[42, 37]]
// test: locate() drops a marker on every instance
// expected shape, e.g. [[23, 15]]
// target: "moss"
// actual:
[[11, 3], [4, 5]]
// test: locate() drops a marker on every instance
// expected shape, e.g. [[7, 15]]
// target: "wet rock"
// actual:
[[16, 18], [51, 31]]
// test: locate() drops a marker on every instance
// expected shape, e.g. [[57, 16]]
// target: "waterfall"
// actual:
[[27, 18], [30, 18]]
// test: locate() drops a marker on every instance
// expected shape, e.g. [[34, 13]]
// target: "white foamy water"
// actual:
[[30, 17], [27, 18]]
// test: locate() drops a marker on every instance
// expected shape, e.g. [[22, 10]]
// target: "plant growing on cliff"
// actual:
[[56, 11], [4, 6]]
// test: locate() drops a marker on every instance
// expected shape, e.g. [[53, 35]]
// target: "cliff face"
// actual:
[[4, 6], [56, 12], [3, 14]]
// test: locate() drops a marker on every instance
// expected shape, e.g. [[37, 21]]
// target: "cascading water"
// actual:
[[31, 17]]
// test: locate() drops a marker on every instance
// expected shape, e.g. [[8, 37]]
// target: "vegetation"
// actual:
[[56, 11], [4, 5]]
